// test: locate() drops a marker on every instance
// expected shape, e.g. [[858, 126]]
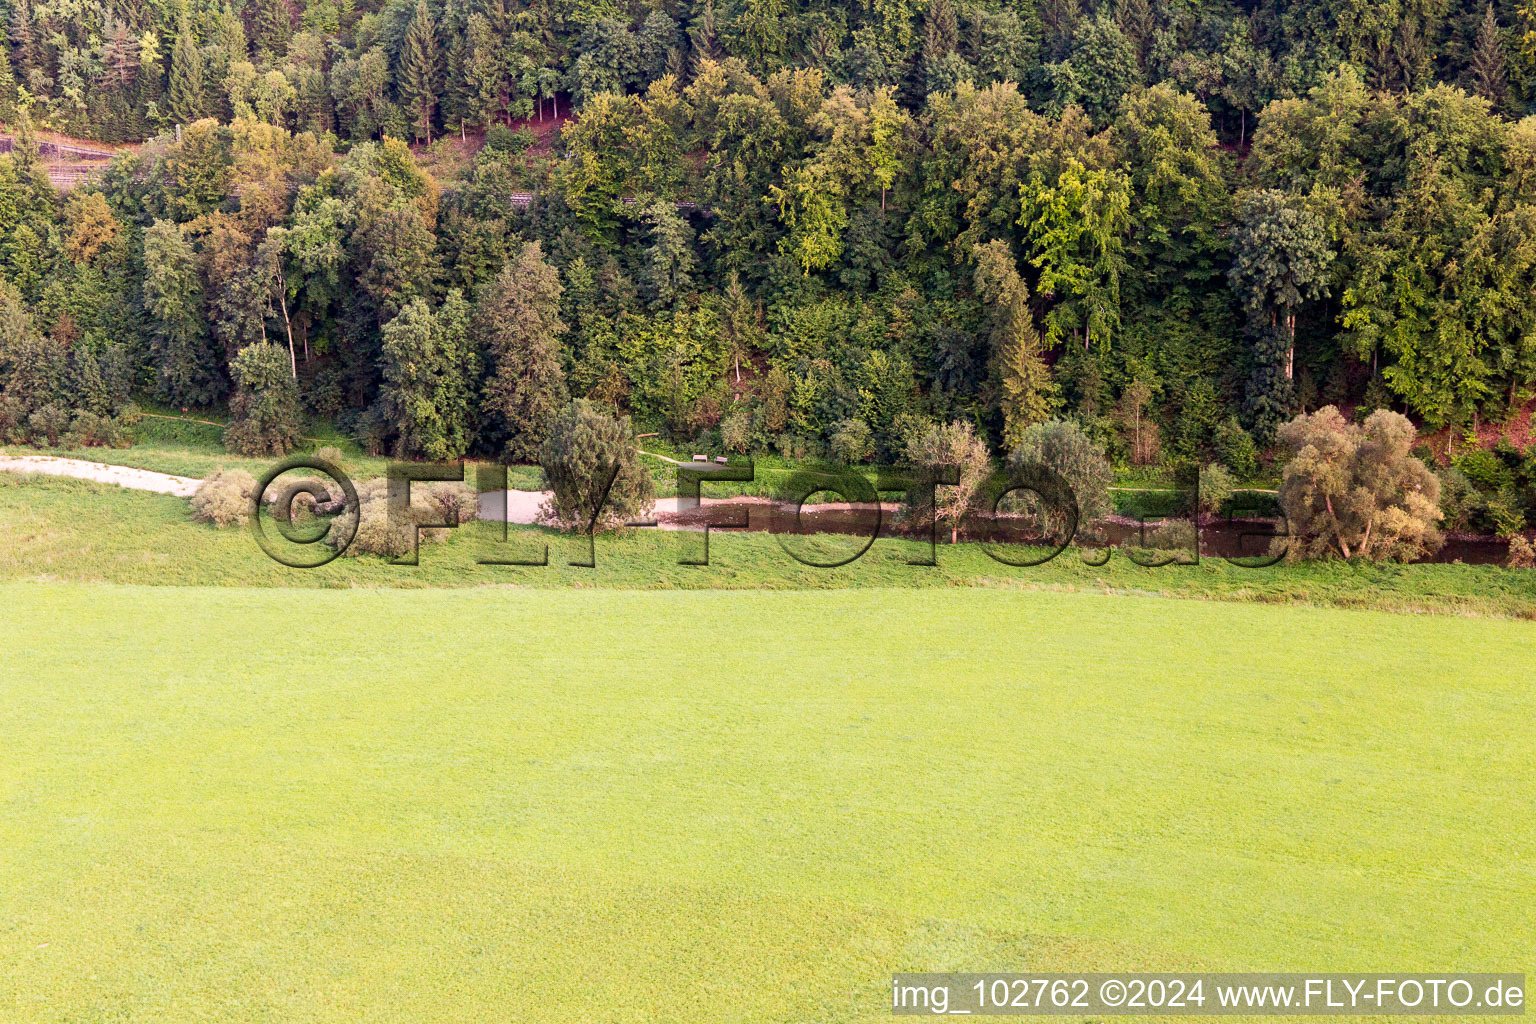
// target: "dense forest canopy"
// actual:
[[767, 225]]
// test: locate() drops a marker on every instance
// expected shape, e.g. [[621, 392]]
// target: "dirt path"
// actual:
[[123, 476]]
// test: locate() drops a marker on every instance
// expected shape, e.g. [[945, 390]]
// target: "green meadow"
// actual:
[[269, 804]]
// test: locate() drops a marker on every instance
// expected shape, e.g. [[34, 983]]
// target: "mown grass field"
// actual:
[[267, 804]]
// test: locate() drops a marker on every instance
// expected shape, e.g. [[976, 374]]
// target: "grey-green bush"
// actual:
[[224, 497]]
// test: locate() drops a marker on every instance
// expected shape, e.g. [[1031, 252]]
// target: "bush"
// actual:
[[586, 447], [92, 431], [953, 445], [1357, 491], [736, 431], [430, 503], [1460, 500], [51, 421], [1521, 554], [224, 498], [501, 139], [852, 442], [1065, 447], [1236, 449], [13, 421], [335, 456], [1215, 489], [1485, 469], [1505, 516]]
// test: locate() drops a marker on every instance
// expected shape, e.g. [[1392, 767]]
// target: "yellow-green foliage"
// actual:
[[401, 807], [224, 497]]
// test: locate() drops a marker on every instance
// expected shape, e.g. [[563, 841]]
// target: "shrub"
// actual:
[[1521, 554], [450, 502], [92, 431], [736, 431], [1460, 500], [1236, 449], [333, 455], [1215, 488], [51, 421], [586, 447], [1503, 511], [501, 139], [430, 503], [1065, 447], [852, 442], [1485, 469], [13, 421], [1356, 490], [224, 497], [954, 445]]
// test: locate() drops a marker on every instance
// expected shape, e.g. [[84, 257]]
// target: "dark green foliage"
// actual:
[[429, 363], [517, 319], [589, 454], [187, 98], [265, 404]]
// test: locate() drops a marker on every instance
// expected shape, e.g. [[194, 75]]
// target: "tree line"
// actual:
[[756, 235]]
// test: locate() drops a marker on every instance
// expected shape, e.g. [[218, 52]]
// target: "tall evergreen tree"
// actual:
[[419, 77], [272, 28], [1490, 79], [187, 100], [1027, 394], [518, 317]]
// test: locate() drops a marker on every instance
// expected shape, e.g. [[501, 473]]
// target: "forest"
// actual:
[[813, 229]]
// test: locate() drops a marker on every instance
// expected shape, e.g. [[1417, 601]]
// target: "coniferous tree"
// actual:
[[188, 370], [704, 34], [667, 272], [419, 75], [1027, 394], [187, 99], [1489, 76], [518, 317], [7, 85], [272, 29], [428, 368], [265, 405]]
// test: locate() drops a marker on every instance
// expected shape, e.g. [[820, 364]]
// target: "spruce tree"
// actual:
[[187, 100], [1027, 395], [272, 28], [1489, 79], [7, 85], [518, 316], [418, 77]]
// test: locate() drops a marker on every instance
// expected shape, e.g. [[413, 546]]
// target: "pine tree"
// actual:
[[740, 323], [667, 272], [23, 38], [120, 57], [25, 152], [1489, 79], [1135, 20], [941, 31], [188, 97], [418, 78]]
